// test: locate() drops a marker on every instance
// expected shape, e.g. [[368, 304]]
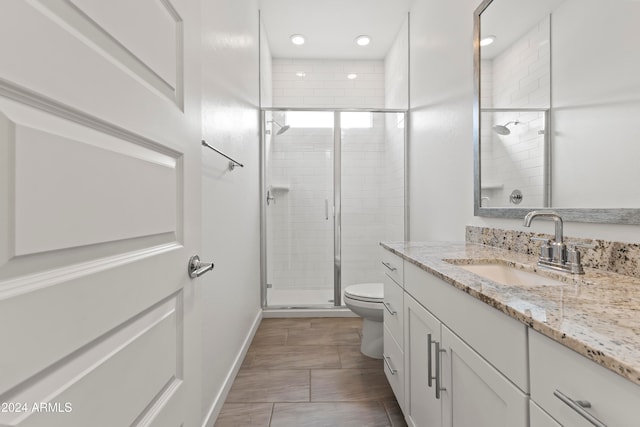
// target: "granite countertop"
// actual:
[[596, 314]]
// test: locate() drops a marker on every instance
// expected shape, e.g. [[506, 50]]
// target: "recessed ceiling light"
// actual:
[[301, 74], [352, 76], [363, 40], [297, 39], [487, 40]]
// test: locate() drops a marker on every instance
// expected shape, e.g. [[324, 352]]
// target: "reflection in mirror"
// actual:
[[557, 107]]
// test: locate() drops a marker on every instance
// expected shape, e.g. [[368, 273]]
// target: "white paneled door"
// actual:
[[99, 213]]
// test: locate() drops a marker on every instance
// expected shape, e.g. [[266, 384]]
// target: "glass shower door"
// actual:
[[299, 158], [372, 164]]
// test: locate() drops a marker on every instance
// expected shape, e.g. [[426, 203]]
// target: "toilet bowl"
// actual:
[[365, 300]]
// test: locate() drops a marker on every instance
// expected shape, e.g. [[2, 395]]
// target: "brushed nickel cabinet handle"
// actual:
[[429, 376], [389, 266], [389, 309], [578, 406], [388, 363], [438, 370]]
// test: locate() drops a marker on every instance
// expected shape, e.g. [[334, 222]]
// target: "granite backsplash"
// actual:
[[616, 257]]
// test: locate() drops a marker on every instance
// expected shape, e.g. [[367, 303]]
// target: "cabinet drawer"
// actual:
[[539, 418], [394, 366], [393, 309], [392, 265], [556, 368], [500, 339]]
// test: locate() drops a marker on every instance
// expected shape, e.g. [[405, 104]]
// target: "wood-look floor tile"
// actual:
[[341, 414], [286, 323], [335, 385], [295, 357], [351, 357], [270, 336], [248, 360], [395, 413], [260, 385], [245, 415], [336, 322], [322, 336]]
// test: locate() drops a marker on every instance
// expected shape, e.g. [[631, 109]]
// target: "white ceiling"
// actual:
[[331, 26]]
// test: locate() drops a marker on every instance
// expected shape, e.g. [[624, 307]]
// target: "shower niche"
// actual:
[[334, 187]]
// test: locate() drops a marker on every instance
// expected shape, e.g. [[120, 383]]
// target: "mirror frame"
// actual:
[[596, 215]]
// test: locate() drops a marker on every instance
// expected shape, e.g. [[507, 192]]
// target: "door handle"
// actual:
[[197, 268], [326, 209]]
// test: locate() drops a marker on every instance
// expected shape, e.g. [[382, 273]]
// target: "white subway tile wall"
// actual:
[[324, 83], [519, 77], [300, 173]]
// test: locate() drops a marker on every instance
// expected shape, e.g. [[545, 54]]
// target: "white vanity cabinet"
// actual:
[[447, 383], [563, 381], [476, 355], [393, 329], [467, 364]]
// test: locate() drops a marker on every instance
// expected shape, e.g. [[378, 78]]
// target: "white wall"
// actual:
[[441, 125], [230, 218]]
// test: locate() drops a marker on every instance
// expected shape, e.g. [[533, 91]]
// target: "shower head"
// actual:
[[503, 129], [282, 129]]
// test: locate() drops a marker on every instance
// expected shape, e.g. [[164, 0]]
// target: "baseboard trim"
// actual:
[[307, 312], [216, 406]]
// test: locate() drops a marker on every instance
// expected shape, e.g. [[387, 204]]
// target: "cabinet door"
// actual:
[[476, 394], [422, 409], [539, 418]]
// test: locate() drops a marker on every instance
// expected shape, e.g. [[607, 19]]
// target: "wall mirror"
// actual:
[[557, 109]]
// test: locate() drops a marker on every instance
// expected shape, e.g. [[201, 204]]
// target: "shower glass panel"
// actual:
[[298, 160], [334, 188], [372, 190]]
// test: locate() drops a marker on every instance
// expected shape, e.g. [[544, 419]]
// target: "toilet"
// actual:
[[365, 300]]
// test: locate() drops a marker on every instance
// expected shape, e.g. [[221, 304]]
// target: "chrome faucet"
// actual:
[[554, 254]]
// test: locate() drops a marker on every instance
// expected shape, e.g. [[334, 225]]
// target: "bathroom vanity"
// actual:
[[462, 349]]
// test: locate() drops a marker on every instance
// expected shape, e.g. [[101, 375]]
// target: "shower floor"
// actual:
[[299, 297]]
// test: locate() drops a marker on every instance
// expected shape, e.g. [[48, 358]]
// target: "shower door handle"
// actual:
[[326, 209]]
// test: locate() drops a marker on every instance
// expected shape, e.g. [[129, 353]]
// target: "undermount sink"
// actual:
[[508, 275]]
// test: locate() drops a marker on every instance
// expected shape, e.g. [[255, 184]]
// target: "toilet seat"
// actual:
[[366, 292]]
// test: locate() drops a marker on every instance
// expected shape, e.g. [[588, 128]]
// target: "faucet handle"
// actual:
[[585, 245], [573, 255], [541, 239], [546, 250]]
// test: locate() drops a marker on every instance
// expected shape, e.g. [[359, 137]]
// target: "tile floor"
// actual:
[[310, 373]]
